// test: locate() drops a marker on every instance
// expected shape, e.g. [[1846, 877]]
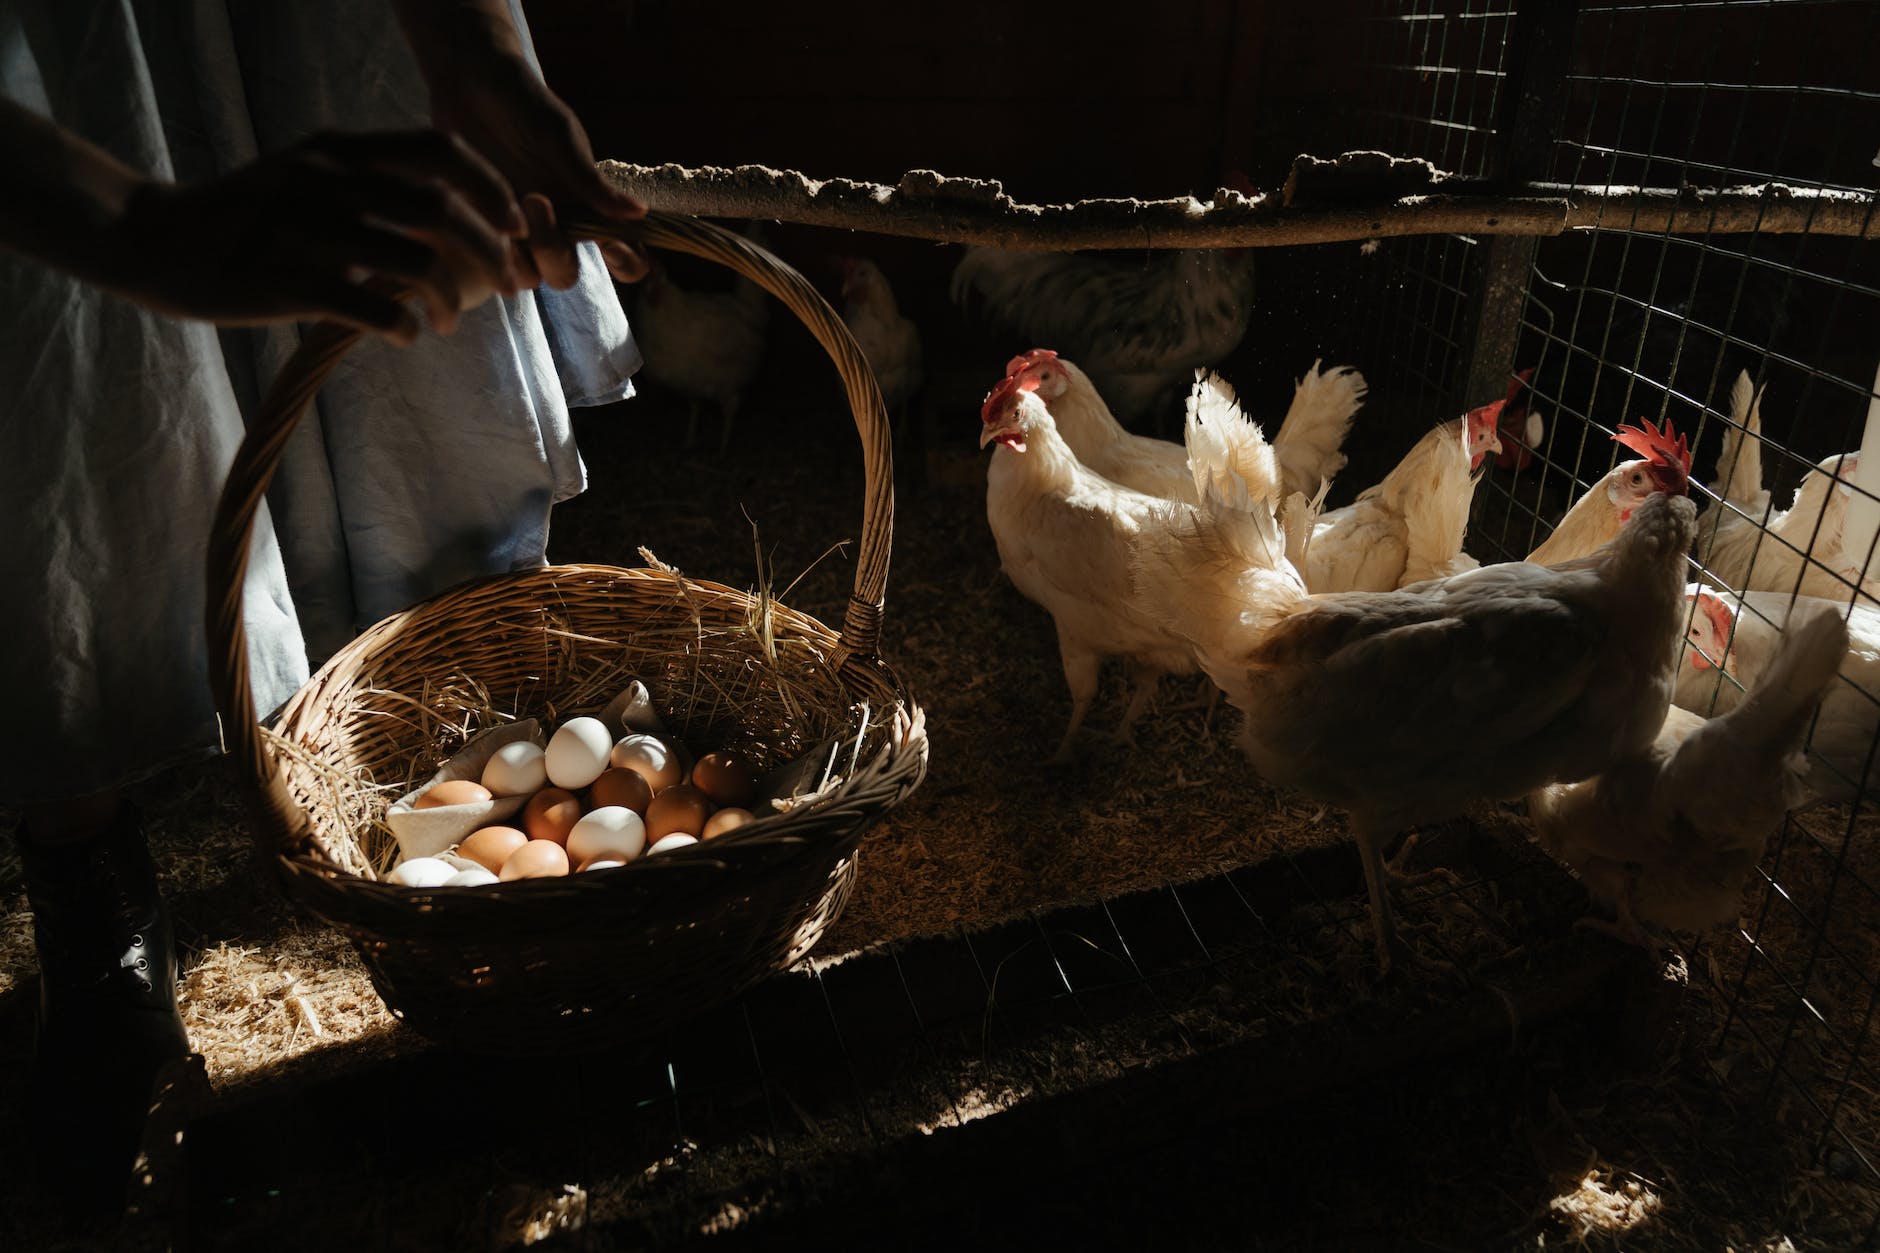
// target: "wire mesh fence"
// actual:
[[1621, 324]]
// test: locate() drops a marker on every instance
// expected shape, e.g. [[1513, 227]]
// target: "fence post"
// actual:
[[1530, 111]]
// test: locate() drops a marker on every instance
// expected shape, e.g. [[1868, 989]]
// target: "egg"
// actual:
[[471, 878], [601, 863], [451, 792], [618, 786], [516, 769], [726, 779], [725, 820], [649, 757], [678, 839], [538, 859], [612, 831], [550, 814], [578, 752], [490, 847], [421, 872], [680, 807]]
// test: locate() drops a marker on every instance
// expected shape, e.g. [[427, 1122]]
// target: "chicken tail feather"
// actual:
[[1227, 453], [1767, 727], [1310, 438]]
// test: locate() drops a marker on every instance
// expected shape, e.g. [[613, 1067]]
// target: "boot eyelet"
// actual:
[[137, 941], [143, 963]]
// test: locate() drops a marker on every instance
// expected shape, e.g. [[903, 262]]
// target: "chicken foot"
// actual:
[[1399, 878], [1391, 948]]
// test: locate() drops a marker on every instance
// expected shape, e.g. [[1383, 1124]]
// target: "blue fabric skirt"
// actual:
[[419, 468]]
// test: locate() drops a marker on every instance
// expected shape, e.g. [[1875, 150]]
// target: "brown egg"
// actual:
[[680, 807], [451, 792], [725, 820], [650, 757], [726, 779], [550, 814], [538, 859], [490, 847], [619, 786]]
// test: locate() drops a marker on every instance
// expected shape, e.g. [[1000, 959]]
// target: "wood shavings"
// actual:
[[1598, 1205]]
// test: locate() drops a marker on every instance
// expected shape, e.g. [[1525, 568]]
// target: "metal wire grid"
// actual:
[[1623, 323], [1439, 75]]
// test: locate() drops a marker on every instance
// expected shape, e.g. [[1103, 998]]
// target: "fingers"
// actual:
[[359, 306], [624, 261], [569, 164], [430, 154], [553, 251], [432, 212], [381, 251]]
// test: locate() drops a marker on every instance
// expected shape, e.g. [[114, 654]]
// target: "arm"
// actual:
[[295, 235], [483, 88]]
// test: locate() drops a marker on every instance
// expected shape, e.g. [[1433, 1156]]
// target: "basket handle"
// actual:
[[325, 343]]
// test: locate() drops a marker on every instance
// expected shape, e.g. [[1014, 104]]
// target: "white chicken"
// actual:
[[1743, 545], [1603, 509], [1745, 632], [705, 346], [1140, 324], [1404, 707], [889, 340], [1410, 526], [1066, 538], [1306, 446], [1667, 837]]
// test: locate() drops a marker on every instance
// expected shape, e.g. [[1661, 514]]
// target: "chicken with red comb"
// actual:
[[1521, 428], [1405, 707], [1596, 517], [1735, 639], [1307, 444], [1067, 538]]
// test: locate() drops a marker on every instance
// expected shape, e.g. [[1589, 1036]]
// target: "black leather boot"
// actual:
[[107, 1005]]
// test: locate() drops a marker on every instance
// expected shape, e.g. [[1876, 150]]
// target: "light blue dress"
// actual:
[[420, 468]]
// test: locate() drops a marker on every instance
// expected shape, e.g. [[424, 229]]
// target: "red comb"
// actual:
[[1656, 444], [1024, 359], [1712, 606], [1003, 388], [1488, 412]]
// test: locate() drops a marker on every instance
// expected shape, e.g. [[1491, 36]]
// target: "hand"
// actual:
[[504, 110], [302, 234]]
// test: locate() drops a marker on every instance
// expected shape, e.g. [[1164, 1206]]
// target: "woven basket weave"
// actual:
[[608, 957]]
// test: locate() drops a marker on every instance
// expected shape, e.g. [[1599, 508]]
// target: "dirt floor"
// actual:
[[1613, 1117]]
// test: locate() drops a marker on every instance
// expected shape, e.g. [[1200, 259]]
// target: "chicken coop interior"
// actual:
[[1133, 999]]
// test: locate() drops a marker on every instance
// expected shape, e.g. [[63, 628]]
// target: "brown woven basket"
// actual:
[[607, 957]]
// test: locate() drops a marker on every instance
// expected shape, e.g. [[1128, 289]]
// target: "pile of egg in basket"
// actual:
[[603, 791]]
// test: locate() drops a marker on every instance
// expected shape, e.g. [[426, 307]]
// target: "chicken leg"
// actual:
[[1142, 685], [1080, 673], [1377, 875]]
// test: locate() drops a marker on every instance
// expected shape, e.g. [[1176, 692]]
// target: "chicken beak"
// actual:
[[1010, 436]]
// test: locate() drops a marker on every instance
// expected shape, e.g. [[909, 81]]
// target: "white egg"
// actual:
[[421, 872], [475, 877], [603, 863], [516, 769], [610, 831], [578, 752], [678, 839], [651, 758]]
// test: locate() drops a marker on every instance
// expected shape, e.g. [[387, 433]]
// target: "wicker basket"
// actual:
[[609, 957]]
